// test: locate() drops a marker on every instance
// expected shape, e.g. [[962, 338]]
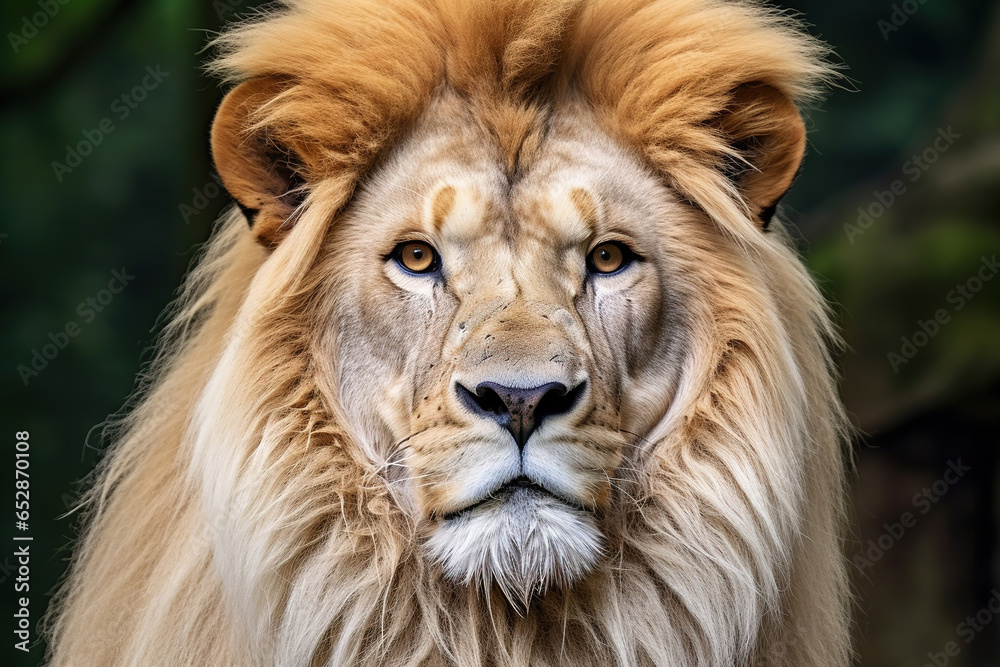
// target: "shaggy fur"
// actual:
[[249, 512]]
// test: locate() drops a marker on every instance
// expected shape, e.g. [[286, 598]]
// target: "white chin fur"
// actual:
[[525, 540]]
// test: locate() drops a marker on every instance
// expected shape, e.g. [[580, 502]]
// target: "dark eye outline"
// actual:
[[628, 258], [397, 256]]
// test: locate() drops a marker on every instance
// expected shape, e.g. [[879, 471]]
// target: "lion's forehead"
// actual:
[[462, 208], [448, 181]]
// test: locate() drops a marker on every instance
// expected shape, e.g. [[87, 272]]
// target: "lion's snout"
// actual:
[[519, 369], [519, 410]]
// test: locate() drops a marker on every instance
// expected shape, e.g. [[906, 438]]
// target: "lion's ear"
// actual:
[[765, 126], [262, 175]]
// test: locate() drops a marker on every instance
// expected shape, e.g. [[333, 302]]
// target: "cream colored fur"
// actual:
[[281, 493]]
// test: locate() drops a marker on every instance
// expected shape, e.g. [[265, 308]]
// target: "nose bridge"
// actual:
[[523, 344]]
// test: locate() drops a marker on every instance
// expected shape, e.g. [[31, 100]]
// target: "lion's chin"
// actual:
[[525, 540]]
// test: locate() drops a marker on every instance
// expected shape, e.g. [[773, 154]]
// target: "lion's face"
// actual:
[[492, 334]]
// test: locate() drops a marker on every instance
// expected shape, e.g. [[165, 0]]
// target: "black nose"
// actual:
[[520, 411]]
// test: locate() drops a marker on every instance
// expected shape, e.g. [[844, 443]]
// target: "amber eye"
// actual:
[[416, 257], [609, 257]]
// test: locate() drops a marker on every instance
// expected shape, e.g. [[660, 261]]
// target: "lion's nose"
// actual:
[[518, 410]]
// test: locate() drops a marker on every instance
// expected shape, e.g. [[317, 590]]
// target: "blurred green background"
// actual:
[[897, 211]]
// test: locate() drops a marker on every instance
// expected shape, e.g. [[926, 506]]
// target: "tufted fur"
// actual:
[[250, 511]]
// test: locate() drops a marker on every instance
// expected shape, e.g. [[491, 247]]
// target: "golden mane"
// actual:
[[356, 74]]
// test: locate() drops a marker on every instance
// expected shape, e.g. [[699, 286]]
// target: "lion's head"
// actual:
[[502, 338], [511, 365]]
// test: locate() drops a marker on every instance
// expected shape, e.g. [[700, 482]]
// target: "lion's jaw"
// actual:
[[513, 316]]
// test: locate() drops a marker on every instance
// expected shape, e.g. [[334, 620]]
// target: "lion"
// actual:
[[502, 356]]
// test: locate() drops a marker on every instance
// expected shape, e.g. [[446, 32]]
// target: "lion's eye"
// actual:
[[610, 257], [416, 257]]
